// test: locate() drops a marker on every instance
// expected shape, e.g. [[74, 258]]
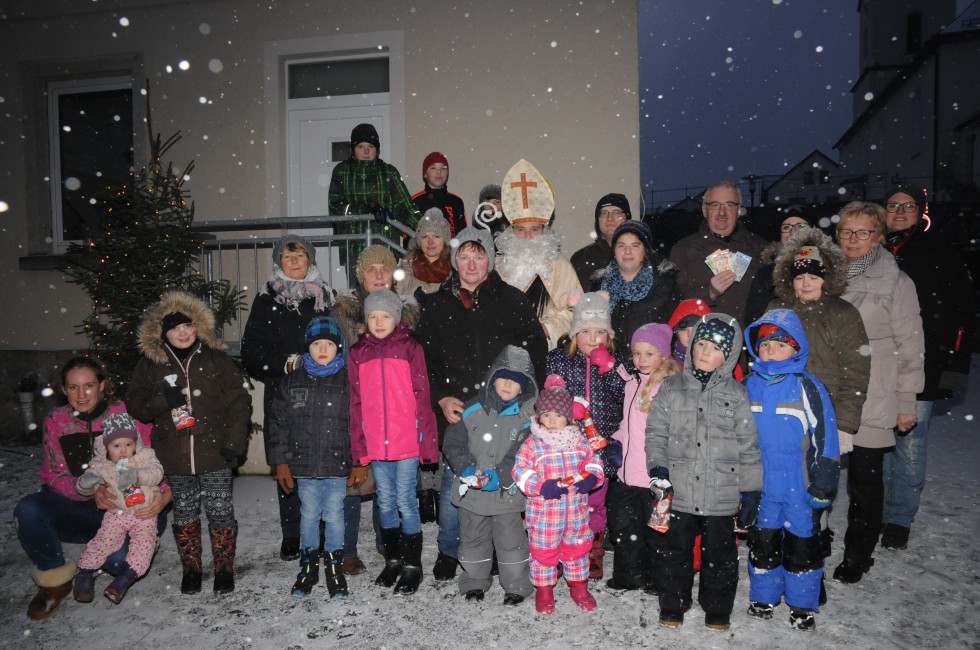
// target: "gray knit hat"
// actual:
[[590, 310], [384, 300], [434, 221], [280, 247], [487, 192], [478, 235]]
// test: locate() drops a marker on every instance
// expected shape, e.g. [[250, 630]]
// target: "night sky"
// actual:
[[737, 87]]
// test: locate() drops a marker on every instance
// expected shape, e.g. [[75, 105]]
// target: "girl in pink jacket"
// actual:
[[392, 427], [629, 501]]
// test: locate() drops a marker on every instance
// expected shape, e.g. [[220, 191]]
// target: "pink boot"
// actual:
[[544, 599], [581, 595]]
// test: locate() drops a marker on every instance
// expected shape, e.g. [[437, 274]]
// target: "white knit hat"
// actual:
[[590, 310]]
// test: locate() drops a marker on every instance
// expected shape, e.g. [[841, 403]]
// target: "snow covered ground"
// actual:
[[927, 596]]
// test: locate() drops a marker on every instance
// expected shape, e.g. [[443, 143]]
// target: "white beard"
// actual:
[[519, 260]]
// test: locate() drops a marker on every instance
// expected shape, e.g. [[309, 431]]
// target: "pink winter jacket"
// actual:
[[632, 431], [391, 415], [61, 423], [149, 473]]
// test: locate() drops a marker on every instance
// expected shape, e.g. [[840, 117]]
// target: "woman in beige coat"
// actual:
[[889, 307]]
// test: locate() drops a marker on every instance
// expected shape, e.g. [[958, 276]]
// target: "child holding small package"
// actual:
[[701, 448], [556, 469], [480, 449], [629, 502], [393, 428], [309, 447], [131, 473], [798, 437]]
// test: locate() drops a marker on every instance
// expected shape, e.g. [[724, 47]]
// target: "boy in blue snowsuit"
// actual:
[[800, 468]]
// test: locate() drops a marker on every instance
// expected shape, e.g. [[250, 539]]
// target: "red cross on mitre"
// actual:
[[527, 195]]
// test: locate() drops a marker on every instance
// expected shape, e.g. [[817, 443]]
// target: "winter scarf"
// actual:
[[619, 289], [316, 370], [567, 438], [291, 292], [467, 297], [427, 271], [863, 263]]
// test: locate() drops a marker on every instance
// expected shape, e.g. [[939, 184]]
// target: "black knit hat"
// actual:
[[364, 133], [172, 320], [618, 200], [904, 188], [640, 230]]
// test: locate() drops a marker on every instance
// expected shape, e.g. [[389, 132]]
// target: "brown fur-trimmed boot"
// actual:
[[188, 538], [54, 586], [223, 541]]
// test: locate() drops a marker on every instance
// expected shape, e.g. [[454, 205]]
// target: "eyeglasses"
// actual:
[[910, 206], [718, 205], [612, 214], [792, 227], [863, 235]]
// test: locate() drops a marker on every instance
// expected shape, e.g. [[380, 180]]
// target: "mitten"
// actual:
[[469, 471], [587, 484], [602, 359], [357, 476], [382, 216], [292, 363], [89, 480], [228, 454], [285, 477], [493, 480], [127, 478], [614, 453], [579, 408], [661, 488], [550, 490], [122, 464], [748, 512], [817, 503], [175, 397]]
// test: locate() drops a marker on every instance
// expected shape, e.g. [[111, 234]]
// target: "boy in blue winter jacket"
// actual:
[[798, 440]]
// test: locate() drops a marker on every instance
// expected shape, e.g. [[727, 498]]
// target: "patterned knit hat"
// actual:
[[526, 195], [384, 300], [479, 235], [590, 310], [554, 398], [720, 333], [770, 332], [116, 426], [370, 256], [433, 221], [808, 260], [656, 335], [323, 327]]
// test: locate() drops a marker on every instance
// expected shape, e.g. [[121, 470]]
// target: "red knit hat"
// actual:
[[431, 159]]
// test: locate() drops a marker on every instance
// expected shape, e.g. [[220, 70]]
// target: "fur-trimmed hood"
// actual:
[[151, 343], [835, 280], [771, 252]]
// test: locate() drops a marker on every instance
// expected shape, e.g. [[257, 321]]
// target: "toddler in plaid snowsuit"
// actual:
[[557, 514]]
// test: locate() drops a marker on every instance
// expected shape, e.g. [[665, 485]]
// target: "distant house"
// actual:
[[815, 179]]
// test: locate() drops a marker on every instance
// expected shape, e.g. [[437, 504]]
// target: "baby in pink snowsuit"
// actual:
[[556, 469], [131, 472]]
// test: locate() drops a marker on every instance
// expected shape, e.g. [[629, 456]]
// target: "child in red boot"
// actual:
[[556, 469]]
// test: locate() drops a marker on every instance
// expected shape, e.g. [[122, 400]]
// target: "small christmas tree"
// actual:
[[142, 247]]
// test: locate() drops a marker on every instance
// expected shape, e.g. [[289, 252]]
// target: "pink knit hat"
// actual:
[[554, 398]]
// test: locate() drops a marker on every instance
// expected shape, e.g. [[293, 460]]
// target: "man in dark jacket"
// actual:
[[610, 211], [721, 207], [947, 305]]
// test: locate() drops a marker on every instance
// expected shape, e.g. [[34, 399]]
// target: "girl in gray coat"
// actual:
[[702, 450]]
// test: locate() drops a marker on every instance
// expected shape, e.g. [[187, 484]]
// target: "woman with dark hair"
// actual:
[[58, 513], [463, 328], [642, 287]]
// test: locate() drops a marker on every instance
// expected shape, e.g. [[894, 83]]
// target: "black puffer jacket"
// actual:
[[659, 303], [309, 427], [591, 259]]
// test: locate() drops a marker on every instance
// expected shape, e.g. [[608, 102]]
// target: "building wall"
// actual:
[[485, 83]]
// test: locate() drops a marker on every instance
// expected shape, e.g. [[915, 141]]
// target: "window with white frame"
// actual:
[[91, 148]]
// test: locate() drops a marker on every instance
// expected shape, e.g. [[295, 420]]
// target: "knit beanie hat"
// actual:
[[640, 230], [324, 327], [903, 188], [808, 260], [618, 200], [487, 192], [513, 375], [431, 159], [384, 300], [474, 234], [172, 320], [554, 398], [526, 195], [116, 426], [364, 133], [433, 221], [370, 256], [720, 333], [590, 310], [770, 332], [280, 247], [655, 334]]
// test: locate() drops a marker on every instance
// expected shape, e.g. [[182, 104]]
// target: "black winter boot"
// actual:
[[309, 572], [118, 587], [391, 538], [333, 571], [411, 575], [223, 543], [445, 567], [427, 506], [188, 538], [84, 590]]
